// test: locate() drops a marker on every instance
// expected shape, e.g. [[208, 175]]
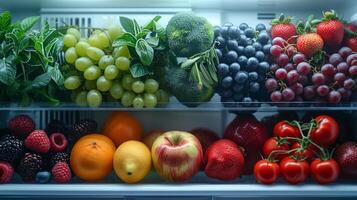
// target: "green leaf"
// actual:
[[144, 51], [137, 28], [29, 22], [7, 70], [5, 20], [127, 39], [187, 65], [138, 70], [152, 39], [127, 24], [143, 33], [41, 80], [56, 74], [151, 25]]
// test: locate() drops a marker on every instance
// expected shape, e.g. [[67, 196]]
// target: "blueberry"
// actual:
[[233, 32], [252, 64], [227, 94], [223, 69], [230, 57], [234, 68], [254, 87], [243, 40], [240, 50], [260, 27], [217, 31], [249, 41], [249, 51], [238, 88], [247, 99], [221, 42], [241, 77], [257, 46], [241, 32], [253, 76], [43, 177], [228, 24], [227, 82], [243, 26], [237, 97], [263, 37], [263, 68], [219, 53], [232, 45], [260, 56], [249, 32], [224, 31], [266, 48], [242, 60]]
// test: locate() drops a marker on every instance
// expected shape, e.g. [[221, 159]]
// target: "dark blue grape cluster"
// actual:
[[244, 54]]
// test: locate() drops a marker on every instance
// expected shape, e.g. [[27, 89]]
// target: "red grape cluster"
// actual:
[[294, 78]]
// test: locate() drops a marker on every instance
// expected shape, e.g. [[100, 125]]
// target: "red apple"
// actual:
[[205, 136], [151, 136], [177, 155]]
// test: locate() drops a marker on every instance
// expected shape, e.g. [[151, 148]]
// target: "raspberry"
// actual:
[[38, 141], [21, 125], [61, 172], [58, 142], [6, 172]]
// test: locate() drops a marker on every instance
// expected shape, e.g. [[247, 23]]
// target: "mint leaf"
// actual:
[[127, 24], [144, 51], [151, 25], [41, 81], [127, 39], [138, 70], [29, 22], [7, 70], [56, 74]]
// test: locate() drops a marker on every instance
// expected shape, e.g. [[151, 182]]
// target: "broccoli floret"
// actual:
[[189, 34]]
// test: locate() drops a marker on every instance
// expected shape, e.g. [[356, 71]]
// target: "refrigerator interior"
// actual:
[[102, 13]]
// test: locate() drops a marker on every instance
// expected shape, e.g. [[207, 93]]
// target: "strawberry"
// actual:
[[309, 44], [283, 28], [351, 27], [38, 141], [331, 29], [352, 43]]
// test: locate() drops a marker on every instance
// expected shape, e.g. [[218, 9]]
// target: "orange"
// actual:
[[92, 157], [122, 127], [132, 161]]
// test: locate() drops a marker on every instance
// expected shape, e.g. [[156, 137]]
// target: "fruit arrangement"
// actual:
[[244, 61], [303, 70]]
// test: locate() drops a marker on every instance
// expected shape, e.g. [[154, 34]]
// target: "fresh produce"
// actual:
[[29, 166], [326, 131], [325, 171], [224, 160], [285, 129], [58, 142], [132, 161], [29, 62], [38, 142], [6, 172], [82, 128], [278, 145], [151, 136], [346, 156], [266, 172], [247, 132], [189, 34], [92, 157], [43, 177], [283, 28], [244, 61], [309, 44], [59, 157], [21, 125], [352, 43], [205, 136], [294, 171], [177, 156], [11, 149], [61, 172], [331, 29], [121, 127], [303, 150]]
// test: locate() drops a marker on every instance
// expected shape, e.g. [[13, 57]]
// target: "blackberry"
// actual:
[[82, 128], [56, 126], [11, 149], [56, 157], [29, 166]]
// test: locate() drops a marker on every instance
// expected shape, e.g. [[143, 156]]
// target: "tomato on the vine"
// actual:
[[266, 172], [284, 129], [294, 171], [306, 153], [324, 171], [326, 131], [278, 145]]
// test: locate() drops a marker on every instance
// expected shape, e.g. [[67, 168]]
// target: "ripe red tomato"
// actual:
[[306, 153], [326, 132], [284, 129], [324, 171], [273, 144], [266, 172], [293, 171]]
